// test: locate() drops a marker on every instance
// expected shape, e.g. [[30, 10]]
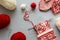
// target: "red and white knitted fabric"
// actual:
[[45, 5], [56, 7], [43, 30]]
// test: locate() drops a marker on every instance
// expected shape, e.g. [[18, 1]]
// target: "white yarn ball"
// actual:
[[23, 6], [57, 22]]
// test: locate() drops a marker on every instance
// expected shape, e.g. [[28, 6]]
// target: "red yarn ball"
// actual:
[[4, 21], [33, 5], [18, 36]]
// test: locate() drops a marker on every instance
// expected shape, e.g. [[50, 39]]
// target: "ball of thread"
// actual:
[[18, 36], [4, 21]]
